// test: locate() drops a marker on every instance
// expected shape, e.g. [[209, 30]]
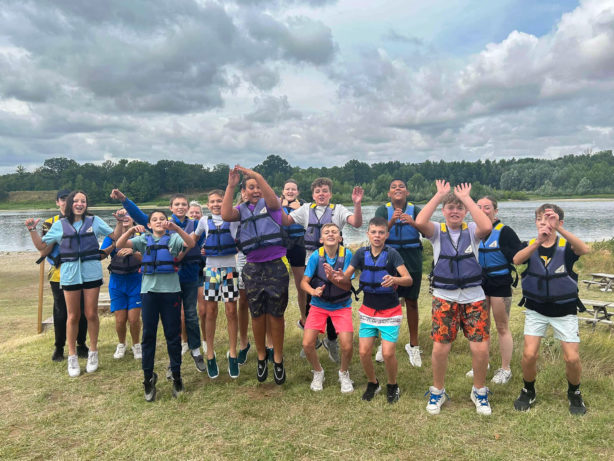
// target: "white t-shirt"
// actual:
[[203, 227], [460, 295]]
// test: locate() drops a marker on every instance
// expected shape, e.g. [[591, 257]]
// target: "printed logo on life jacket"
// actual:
[[560, 269], [469, 250], [493, 244], [546, 260], [89, 230], [263, 211]]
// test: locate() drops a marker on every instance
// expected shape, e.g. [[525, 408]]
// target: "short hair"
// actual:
[[329, 224], [219, 192], [378, 221], [397, 179], [291, 180], [156, 211], [244, 182], [176, 196], [542, 208], [319, 182], [195, 203], [451, 198], [492, 200]]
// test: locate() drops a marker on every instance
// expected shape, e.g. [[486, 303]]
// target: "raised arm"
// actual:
[[482, 222], [188, 242], [229, 212], [578, 246], [133, 210], [423, 220], [41, 246], [124, 240], [270, 198], [355, 220]]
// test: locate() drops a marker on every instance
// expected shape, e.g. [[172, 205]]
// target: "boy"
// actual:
[[458, 297], [59, 303], [550, 294], [189, 267], [220, 279], [332, 299], [312, 216], [381, 313], [405, 238]]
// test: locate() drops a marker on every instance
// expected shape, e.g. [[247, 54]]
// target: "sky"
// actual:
[[318, 82]]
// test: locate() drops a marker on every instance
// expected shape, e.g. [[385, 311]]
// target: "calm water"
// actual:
[[590, 220]]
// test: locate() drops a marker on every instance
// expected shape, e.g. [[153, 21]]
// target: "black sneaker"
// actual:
[[279, 373], [82, 351], [263, 370], [524, 400], [372, 389], [199, 362], [393, 393], [178, 388], [58, 354], [576, 404], [150, 388]]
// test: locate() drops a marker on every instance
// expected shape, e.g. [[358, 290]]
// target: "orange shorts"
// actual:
[[448, 316]]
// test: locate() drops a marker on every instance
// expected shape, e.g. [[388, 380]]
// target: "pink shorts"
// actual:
[[342, 319]]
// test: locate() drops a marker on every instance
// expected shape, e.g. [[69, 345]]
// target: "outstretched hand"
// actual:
[[443, 187], [462, 190], [31, 223], [234, 177], [116, 194], [357, 194]]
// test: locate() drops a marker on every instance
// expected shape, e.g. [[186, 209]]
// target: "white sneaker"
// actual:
[[137, 351], [436, 399], [469, 374], [502, 376], [379, 356], [347, 385], [415, 357], [74, 369], [480, 398], [92, 362], [204, 347], [120, 351], [317, 384], [184, 348]]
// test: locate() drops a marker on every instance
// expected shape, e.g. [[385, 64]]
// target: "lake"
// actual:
[[591, 220]]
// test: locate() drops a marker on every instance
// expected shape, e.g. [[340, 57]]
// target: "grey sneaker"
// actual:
[[347, 385], [333, 349], [502, 376], [199, 361], [317, 384], [150, 388]]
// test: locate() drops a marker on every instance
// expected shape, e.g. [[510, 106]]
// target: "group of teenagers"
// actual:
[[177, 268]]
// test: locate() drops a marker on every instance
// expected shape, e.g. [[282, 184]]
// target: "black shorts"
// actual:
[[499, 287], [296, 256], [83, 286], [266, 286], [412, 292]]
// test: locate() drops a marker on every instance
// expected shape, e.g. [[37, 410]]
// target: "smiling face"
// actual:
[[377, 235], [215, 204], [488, 208], [398, 192], [330, 235], [290, 191], [322, 195], [454, 214], [79, 205], [195, 212], [156, 221], [179, 207], [252, 191]]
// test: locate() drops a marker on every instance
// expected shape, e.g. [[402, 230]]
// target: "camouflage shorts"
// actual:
[[266, 285], [448, 316]]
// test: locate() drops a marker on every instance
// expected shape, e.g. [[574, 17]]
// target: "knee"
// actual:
[[388, 354], [572, 359], [530, 356], [502, 328], [364, 352], [309, 345], [346, 347], [91, 316]]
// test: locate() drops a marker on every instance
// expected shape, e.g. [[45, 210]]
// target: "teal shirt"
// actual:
[[159, 283], [78, 272]]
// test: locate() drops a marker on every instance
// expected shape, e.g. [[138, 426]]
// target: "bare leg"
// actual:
[[120, 325], [301, 296], [390, 360], [73, 310], [309, 346], [233, 326], [347, 348], [134, 317], [479, 362], [259, 330], [412, 320], [277, 329], [243, 315], [202, 313], [530, 355], [439, 359], [501, 312], [365, 349], [211, 313], [91, 312], [573, 366]]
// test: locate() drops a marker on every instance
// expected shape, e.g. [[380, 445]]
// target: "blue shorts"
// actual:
[[125, 291]]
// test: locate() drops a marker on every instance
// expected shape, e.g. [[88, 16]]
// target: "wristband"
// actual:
[[32, 230]]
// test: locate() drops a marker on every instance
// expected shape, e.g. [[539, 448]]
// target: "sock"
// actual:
[[176, 375], [529, 386], [196, 352], [572, 388]]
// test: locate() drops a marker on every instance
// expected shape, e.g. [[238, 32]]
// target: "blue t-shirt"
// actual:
[[312, 269], [78, 272]]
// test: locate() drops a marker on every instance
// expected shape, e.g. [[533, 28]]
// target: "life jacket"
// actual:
[[79, 246], [332, 293], [193, 255], [53, 258], [219, 240], [456, 267], [549, 283], [294, 231], [373, 273], [258, 228], [123, 265], [403, 235], [157, 258], [491, 257], [312, 234]]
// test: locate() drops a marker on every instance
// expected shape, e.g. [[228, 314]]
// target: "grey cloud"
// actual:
[[270, 109], [394, 36]]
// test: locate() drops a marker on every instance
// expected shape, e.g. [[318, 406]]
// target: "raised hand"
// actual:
[[357, 194], [170, 225], [553, 218], [234, 177], [31, 223], [443, 187], [116, 194], [462, 190], [120, 215]]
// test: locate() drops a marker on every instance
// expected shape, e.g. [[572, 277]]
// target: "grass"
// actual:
[[45, 414]]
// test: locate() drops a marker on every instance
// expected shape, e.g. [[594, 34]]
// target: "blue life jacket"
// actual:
[[157, 258], [295, 231], [314, 226], [332, 293], [258, 228], [492, 260], [373, 273], [193, 255], [219, 240], [549, 283], [456, 267], [403, 235], [79, 246]]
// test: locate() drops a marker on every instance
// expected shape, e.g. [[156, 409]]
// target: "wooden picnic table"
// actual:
[[598, 312], [602, 280]]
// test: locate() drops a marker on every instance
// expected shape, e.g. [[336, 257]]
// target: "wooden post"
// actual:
[[41, 282]]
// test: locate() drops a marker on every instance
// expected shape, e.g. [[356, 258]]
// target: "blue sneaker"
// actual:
[[436, 400], [233, 366], [242, 355], [480, 398], [212, 369]]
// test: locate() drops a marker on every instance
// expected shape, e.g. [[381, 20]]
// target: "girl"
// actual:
[[80, 271], [195, 212]]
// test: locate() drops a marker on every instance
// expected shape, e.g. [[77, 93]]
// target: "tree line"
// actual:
[[585, 174]]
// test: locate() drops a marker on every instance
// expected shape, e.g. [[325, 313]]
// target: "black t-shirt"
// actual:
[[552, 309], [510, 244], [384, 300]]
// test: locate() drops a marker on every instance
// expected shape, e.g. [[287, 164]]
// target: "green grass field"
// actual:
[[47, 415]]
